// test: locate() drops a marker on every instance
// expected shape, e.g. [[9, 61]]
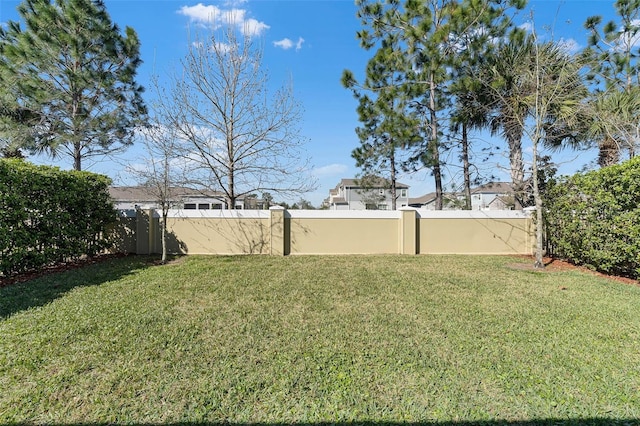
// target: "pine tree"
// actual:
[[72, 74], [428, 38], [388, 125]]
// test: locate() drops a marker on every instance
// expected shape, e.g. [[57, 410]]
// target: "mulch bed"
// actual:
[[53, 269], [557, 265]]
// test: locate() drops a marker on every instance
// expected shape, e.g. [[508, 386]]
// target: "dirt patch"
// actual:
[[557, 265]]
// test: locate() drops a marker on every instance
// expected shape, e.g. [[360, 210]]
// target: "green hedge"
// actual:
[[593, 219], [49, 216]]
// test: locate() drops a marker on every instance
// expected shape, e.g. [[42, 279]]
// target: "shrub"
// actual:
[[48, 215], [593, 219]]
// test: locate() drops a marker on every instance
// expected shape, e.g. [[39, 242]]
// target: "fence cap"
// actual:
[[276, 208]]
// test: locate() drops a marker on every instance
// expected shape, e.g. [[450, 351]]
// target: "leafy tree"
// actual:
[[388, 125], [239, 138], [69, 75], [268, 199], [476, 27], [427, 35], [613, 71], [303, 204]]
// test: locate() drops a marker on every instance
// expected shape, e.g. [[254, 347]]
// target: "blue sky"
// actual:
[[312, 41]]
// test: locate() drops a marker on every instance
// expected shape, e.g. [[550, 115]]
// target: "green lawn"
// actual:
[[260, 339]]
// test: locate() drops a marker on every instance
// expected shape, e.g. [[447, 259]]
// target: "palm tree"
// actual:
[[505, 73], [612, 122], [512, 75], [537, 92]]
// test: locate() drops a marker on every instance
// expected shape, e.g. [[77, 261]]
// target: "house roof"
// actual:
[[374, 183], [144, 193], [339, 200], [431, 197], [424, 199]]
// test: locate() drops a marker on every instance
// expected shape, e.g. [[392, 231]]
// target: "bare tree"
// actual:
[[159, 173], [239, 137], [162, 166]]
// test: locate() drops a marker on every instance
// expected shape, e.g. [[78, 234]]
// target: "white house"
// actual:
[[354, 194], [490, 196]]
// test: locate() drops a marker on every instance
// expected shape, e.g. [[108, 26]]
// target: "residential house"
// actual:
[[490, 196], [354, 194], [493, 196], [133, 197]]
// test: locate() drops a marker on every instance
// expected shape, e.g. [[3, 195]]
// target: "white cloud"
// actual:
[[287, 43], [201, 13], [252, 27], [330, 170], [216, 17]]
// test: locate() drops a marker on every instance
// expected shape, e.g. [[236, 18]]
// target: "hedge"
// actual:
[[49, 216], [593, 219]]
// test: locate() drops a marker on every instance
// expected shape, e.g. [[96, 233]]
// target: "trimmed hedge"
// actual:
[[593, 219], [49, 216]]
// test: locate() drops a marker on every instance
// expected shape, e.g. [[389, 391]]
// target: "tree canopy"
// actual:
[[68, 80]]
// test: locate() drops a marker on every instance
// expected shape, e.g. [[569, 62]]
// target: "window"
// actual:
[[403, 193], [203, 206], [381, 191], [382, 207], [370, 206], [190, 206], [216, 206]]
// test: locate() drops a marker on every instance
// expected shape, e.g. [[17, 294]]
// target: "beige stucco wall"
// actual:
[[343, 236], [217, 236], [280, 232], [475, 233]]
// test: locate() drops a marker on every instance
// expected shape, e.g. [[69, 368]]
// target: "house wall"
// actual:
[[303, 232], [357, 198]]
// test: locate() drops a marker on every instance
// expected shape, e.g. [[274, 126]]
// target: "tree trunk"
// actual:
[[608, 152], [516, 165], [465, 167], [539, 263], [434, 147], [164, 235], [77, 156], [392, 160]]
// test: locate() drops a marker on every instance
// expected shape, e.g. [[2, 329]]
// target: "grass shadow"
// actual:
[[43, 289]]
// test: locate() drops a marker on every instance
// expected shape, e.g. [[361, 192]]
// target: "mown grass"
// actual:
[[319, 339]]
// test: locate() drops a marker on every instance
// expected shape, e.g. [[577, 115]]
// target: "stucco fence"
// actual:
[[298, 232]]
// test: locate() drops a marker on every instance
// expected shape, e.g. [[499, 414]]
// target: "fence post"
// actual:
[[408, 231], [277, 230]]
